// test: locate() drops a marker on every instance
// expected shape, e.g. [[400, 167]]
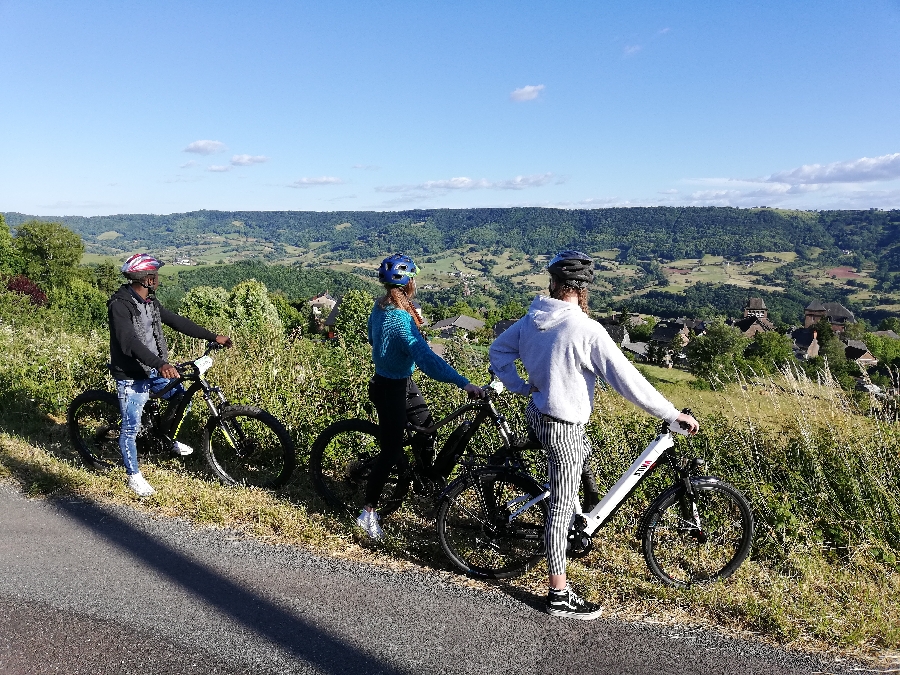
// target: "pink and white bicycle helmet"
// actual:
[[140, 265]]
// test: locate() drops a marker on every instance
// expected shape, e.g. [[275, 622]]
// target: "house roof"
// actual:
[[666, 332], [745, 324], [887, 333], [755, 303], [639, 348], [815, 306], [617, 333], [803, 337], [502, 325], [838, 313], [459, 321]]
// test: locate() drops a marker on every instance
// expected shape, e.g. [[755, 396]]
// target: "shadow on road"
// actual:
[[270, 621]]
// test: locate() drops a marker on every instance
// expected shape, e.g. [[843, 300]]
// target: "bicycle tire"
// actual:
[[248, 446], [339, 462], [681, 555], [94, 422], [474, 527]]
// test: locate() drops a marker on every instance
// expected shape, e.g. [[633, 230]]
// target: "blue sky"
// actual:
[[162, 107]]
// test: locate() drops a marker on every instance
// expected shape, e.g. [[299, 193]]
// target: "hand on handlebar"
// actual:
[[169, 371], [474, 391], [224, 340], [687, 422]]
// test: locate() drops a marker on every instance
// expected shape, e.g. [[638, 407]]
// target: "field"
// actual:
[[442, 269]]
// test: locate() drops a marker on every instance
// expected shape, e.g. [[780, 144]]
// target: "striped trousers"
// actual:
[[567, 447]]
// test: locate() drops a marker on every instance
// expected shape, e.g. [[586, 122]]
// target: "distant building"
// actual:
[[665, 331], [501, 326], [753, 324], [457, 324], [756, 307], [323, 303], [857, 350], [619, 334], [887, 334], [836, 314], [806, 344], [637, 349]]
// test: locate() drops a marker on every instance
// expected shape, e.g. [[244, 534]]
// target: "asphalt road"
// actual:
[[97, 589]]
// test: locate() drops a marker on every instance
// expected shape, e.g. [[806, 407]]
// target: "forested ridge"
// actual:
[[662, 232]]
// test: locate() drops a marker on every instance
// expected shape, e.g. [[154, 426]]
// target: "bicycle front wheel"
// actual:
[[491, 523], [340, 462], [688, 541], [94, 422], [248, 446]]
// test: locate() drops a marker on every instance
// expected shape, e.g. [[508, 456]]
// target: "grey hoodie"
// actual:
[[564, 351]]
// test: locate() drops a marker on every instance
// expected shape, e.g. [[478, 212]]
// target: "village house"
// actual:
[[857, 350], [459, 324], [836, 314]]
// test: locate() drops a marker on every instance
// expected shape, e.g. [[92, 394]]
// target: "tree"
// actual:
[[770, 350], [251, 311], [50, 252], [717, 354], [10, 261], [353, 316], [207, 306]]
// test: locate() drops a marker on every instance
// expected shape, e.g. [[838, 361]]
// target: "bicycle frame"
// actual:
[[619, 493], [446, 459], [170, 423]]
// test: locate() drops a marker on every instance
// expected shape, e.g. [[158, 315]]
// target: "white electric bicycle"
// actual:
[[491, 520]]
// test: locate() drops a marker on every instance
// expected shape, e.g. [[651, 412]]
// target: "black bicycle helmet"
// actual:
[[573, 268]]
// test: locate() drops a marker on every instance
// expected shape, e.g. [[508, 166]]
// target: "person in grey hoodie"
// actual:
[[564, 351]]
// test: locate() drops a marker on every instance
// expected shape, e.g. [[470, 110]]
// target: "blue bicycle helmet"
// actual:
[[397, 270]]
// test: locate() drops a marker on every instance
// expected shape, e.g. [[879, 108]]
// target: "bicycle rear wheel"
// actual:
[[488, 525], [94, 422], [248, 446], [683, 547], [340, 462]]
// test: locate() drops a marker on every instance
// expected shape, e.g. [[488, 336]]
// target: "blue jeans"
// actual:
[[133, 394]]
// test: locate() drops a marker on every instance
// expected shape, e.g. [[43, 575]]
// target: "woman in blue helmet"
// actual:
[[398, 346]]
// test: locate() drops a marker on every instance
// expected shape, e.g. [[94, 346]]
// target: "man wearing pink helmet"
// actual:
[[139, 355]]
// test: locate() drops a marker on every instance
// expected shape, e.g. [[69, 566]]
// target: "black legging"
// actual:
[[396, 401]]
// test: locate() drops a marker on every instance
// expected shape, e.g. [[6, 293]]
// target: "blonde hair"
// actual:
[[398, 296]]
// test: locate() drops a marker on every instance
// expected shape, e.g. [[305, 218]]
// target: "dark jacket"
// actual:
[[130, 358]]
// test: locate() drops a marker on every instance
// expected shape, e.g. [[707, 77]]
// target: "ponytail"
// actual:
[[399, 297]]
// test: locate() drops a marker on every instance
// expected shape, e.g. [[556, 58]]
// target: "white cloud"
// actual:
[[206, 147], [189, 164], [673, 191], [218, 168], [248, 160], [527, 93], [464, 183], [663, 31], [313, 182], [863, 170], [631, 50], [366, 167]]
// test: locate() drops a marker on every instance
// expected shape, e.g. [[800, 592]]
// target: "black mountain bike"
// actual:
[[491, 520], [341, 457], [243, 445]]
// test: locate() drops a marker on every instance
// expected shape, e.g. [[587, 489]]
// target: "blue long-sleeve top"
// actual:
[[398, 347]]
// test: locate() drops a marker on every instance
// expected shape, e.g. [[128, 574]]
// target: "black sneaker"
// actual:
[[569, 604]]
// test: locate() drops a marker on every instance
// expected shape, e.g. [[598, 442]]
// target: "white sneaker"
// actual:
[[368, 520], [180, 448], [140, 486]]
